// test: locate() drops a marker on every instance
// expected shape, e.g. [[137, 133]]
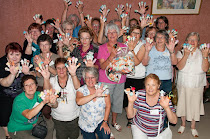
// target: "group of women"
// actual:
[[85, 95]]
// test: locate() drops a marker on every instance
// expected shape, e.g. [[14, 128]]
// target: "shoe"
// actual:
[[112, 136], [181, 129], [8, 137], [117, 127], [194, 132], [129, 124]]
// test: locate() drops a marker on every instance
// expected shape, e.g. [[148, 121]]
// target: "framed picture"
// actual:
[[176, 6]]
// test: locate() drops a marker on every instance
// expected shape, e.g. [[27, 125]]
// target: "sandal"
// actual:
[[112, 136], [181, 129], [8, 137], [129, 124], [194, 132], [117, 127]]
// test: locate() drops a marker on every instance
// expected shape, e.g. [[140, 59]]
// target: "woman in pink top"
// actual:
[[107, 52]]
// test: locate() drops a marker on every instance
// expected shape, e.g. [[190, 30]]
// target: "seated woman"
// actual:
[[149, 110], [81, 52], [68, 43], [10, 76], [30, 46], [26, 109], [95, 106]]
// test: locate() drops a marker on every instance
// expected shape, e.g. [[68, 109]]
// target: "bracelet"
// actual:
[[171, 52], [73, 75], [205, 57], [105, 121]]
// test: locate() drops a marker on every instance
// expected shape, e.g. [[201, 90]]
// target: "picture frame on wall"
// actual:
[[176, 6]]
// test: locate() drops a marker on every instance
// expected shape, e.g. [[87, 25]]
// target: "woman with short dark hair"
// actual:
[[11, 72], [159, 59]]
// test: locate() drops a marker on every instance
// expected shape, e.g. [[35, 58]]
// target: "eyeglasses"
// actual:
[[136, 33], [84, 39], [111, 32], [29, 85], [60, 68], [90, 78], [96, 25]]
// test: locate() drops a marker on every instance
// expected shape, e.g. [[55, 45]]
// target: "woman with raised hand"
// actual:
[[136, 47], [26, 109], [193, 65], [30, 47], [67, 42], [84, 51], [93, 95], [159, 59], [12, 69], [107, 52], [149, 109]]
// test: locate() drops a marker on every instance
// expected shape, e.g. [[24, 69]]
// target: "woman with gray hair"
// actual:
[[159, 59], [193, 65], [68, 42], [94, 102], [107, 52]]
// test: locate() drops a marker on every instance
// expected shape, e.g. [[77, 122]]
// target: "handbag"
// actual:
[[40, 131]]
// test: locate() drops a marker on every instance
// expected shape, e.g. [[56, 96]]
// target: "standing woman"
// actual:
[[30, 46], [68, 43], [107, 52], [10, 81], [86, 37], [192, 66], [159, 59], [137, 48]]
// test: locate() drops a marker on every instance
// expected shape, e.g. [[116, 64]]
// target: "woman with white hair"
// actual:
[[192, 66], [107, 52]]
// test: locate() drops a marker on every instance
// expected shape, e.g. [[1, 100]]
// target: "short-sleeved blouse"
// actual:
[[103, 53], [91, 113], [192, 74]]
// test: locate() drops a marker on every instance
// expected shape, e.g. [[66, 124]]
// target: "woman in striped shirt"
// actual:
[[149, 110]]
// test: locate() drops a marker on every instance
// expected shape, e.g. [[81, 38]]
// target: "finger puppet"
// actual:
[[188, 46], [68, 2]]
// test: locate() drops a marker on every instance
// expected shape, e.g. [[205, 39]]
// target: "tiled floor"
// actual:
[[203, 128]]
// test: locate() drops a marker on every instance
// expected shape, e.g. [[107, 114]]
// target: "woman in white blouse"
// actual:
[[192, 66], [94, 105]]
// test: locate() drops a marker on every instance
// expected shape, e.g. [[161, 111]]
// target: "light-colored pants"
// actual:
[[138, 134]]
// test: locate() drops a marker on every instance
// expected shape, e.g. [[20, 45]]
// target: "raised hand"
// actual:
[[148, 46], [128, 8], [28, 37], [171, 45], [119, 9], [72, 65], [142, 8], [164, 101], [44, 72], [47, 59]]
